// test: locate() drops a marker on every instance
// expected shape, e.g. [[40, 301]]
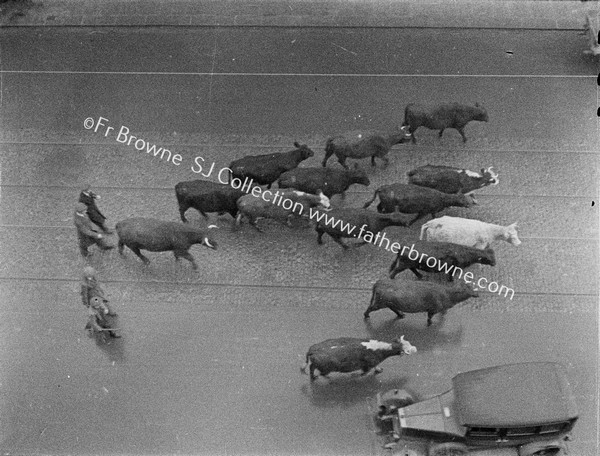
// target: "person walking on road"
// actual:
[[99, 312], [99, 322], [87, 232], [89, 198], [90, 288]]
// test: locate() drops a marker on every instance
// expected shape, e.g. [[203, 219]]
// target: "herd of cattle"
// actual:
[[430, 189]]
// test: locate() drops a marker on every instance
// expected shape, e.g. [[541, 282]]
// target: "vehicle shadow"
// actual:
[[346, 390]]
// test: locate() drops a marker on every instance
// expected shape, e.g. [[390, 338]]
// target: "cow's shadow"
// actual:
[[346, 390], [415, 330]]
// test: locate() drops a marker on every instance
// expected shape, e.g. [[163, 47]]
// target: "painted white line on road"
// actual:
[[359, 75], [534, 238], [315, 146]]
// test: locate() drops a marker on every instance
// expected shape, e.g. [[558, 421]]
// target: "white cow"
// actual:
[[468, 232]]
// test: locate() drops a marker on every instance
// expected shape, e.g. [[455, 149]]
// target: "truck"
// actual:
[[524, 409]]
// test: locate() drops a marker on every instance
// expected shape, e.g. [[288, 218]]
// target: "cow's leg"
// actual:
[[416, 218], [182, 209], [135, 249], [339, 241], [359, 244], [417, 273], [254, 224], [461, 130], [342, 160], [328, 153], [394, 272], [365, 370], [399, 314], [412, 130], [441, 132], [312, 369], [121, 245], [429, 317], [187, 255], [320, 237]]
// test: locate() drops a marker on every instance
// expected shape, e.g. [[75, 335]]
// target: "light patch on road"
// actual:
[[344, 49], [377, 345]]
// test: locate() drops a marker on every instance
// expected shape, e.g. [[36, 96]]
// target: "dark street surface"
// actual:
[[209, 360]]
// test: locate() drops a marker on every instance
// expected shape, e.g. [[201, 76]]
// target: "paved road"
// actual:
[[209, 360]]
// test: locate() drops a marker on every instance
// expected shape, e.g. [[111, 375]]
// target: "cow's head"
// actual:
[[466, 290], [467, 200], [405, 134], [480, 113], [511, 235], [487, 257], [304, 151], [490, 176], [407, 347]]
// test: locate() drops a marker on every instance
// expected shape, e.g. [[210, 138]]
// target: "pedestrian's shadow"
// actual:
[[346, 390], [416, 331], [114, 348]]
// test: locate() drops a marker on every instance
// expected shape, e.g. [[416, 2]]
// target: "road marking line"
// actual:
[[361, 75]]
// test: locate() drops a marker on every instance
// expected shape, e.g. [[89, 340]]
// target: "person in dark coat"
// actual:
[[89, 198], [87, 232], [90, 288], [99, 322]]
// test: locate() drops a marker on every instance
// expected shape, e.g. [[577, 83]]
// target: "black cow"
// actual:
[[298, 204], [447, 256], [448, 179], [206, 196], [160, 236], [331, 181], [415, 296], [347, 354], [440, 117], [412, 199], [363, 145], [355, 223], [266, 169]]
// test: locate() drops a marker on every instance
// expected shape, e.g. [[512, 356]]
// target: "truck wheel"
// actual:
[[555, 448], [448, 449]]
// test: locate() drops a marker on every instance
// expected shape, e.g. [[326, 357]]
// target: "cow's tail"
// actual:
[[306, 364], [373, 303], [395, 263], [329, 151], [180, 192], [368, 203]]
